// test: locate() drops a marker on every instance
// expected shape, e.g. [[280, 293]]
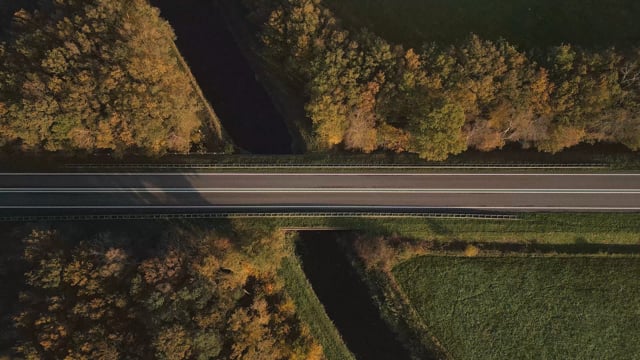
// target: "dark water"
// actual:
[[225, 76], [346, 298]]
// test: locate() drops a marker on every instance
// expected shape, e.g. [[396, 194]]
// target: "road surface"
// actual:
[[122, 192]]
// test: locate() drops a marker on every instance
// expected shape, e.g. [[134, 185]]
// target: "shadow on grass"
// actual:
[[580, 247], [438, 228]]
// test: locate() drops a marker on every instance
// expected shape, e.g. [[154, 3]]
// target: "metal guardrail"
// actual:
[[338, 166], [223, 215]]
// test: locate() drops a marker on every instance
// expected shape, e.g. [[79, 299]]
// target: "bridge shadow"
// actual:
[[117, 194], [577, 248]]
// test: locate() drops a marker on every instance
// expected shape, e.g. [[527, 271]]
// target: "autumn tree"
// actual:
[[95, 74], [75, 300], [589, 91], [365, 94], [196, 295]]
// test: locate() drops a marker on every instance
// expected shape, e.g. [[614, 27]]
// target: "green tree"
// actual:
[[436, 132]]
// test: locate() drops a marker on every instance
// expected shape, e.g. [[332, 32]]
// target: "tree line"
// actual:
[[179, 293], [94, 75], [366, 94]]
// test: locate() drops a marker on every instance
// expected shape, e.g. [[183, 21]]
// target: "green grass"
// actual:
[[552, 232], [312, 312], [528, 308], [586, 232], [528, 23]]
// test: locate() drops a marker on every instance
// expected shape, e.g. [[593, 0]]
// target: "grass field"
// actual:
[[528, 23], [528, 308], [312, 312]]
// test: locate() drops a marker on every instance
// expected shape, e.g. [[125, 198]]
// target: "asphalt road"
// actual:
[[115, 192]]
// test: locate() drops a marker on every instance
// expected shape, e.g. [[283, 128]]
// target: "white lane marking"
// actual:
[[313, 190], [309, 174], [290, 207]]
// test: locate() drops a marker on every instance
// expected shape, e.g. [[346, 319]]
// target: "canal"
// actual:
[[247, 114], [346, 297], [225, 77]]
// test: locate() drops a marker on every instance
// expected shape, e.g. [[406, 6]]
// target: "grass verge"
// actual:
[[560, 232], [611, 157], [550, 232], [518, 307], [311, 310]]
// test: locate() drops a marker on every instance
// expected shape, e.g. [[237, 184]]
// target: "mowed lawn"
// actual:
[[527, 23], [528, 308]]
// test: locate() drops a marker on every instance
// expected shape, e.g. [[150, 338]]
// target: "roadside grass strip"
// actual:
[[574, 232], [571, 230], [552, 307], [567, 229]]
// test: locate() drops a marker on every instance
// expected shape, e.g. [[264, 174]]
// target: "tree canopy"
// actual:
[[365, 94], [94, 74], [190, 294]]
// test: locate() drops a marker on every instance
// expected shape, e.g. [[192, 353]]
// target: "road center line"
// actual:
[[266, 174], [313, 190]]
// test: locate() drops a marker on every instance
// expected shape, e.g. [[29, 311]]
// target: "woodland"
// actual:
[[364, 93], [157, 291], [103, 75]]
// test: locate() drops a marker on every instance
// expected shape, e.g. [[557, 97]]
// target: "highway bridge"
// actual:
[[47, 193]]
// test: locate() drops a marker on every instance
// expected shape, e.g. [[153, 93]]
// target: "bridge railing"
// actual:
[[339, 166], [226, 215]]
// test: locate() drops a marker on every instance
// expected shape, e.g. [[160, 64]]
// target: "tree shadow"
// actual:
[[578, 248], [438, 228]]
